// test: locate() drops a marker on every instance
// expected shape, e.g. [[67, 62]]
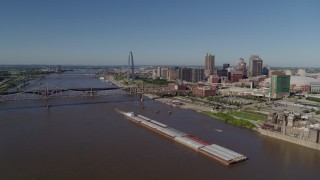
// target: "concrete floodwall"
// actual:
[[290, 139]]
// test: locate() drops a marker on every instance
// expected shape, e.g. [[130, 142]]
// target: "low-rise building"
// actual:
[[315, 87], [237, 91], [178, 87], [276, 72], [301, 72], [213, 79], [235, 76], [204, 91]]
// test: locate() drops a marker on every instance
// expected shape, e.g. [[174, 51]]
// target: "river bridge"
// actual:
[[47, 92]]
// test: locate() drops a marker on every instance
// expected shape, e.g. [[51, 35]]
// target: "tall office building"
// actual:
[[209, 68], [185, 74], [197, 75], [265, 70], [222, 72], [279, 86], [255, 66], [173, 73], [164, 73], [242, 66], [225, 66], [159, 72]]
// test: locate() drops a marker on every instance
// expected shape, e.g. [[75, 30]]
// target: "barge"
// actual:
[[222, 154]]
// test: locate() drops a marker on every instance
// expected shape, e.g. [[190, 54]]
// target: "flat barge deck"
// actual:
[[222, 154]]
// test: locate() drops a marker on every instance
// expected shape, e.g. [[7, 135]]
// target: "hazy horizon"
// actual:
[[82, 32]]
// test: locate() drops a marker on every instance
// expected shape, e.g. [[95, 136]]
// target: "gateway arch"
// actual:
[[130, 62]]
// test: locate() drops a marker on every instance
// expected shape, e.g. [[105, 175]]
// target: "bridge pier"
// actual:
[[47, 103], [141, 101]]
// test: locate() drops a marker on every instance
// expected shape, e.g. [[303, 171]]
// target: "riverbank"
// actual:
[[111, 79], [250, 124], [209, 112], [11, 83], [230, 119], [184, 105]]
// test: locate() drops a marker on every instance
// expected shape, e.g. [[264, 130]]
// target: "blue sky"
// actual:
[[163, 32]]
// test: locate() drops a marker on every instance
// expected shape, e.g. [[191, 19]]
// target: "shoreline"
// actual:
[[261, 131], [201, 109], [185, 105], [110, 78], [290, 139]]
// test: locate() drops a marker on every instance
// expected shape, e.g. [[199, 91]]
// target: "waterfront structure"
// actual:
[[279, 86], [255, 66], [293, 127], [130, 60], [209, 65]]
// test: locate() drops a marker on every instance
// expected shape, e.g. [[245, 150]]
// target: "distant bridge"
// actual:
[[45, 92]]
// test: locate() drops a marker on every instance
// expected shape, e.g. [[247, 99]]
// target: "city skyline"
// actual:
[[180, 32]]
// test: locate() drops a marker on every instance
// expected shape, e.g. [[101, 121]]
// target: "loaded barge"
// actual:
[[224, 155]]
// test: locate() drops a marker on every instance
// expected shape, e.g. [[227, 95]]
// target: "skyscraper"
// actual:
[[197, 75], [209, 68], [225, 66], [242, 66], [185, 74], [279, 86], [255, 66]]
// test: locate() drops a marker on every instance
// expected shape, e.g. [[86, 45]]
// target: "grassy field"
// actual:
[[230, 119], [250, 116], [12, 83]]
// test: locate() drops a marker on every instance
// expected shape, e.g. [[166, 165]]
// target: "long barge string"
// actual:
[[222, 154]]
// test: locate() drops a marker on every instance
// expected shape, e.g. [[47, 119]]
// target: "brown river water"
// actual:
[[86, 138]]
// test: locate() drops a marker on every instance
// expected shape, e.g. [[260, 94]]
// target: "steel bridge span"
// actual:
[[43, 92]]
